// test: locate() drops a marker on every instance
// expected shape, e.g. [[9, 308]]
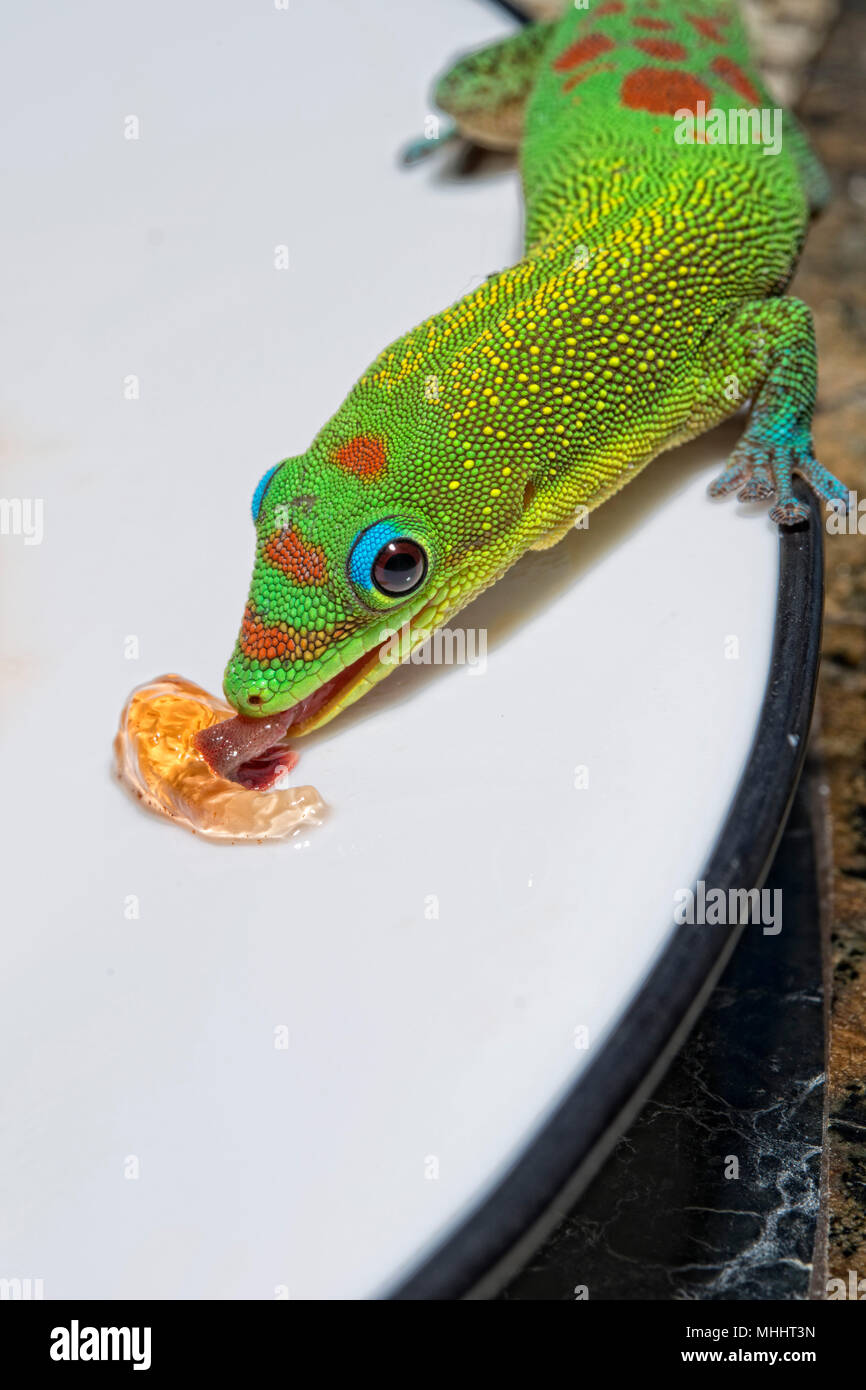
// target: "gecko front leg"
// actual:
[[766, 351]]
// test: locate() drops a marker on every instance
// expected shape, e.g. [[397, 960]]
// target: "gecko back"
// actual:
[[639, 76]]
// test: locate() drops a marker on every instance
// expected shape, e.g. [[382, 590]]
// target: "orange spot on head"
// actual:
[[263, 642], [664, 91], [657, 25], [662, 48], [364, 455], [610, 7], [705, 27], [305, 564], [592, 46], [593, 71], [733, 74], [260, 641]]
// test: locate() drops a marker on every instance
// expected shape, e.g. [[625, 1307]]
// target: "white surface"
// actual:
[[408, 1037]]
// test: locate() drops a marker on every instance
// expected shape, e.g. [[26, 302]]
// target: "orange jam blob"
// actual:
[[157, 761]]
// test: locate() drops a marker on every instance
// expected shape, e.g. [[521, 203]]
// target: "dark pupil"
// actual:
[[399, 567]]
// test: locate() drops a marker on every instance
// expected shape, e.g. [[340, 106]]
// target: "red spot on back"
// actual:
[[733, 74], [705, 27], [303, 562], [663, 91], [657, 25], [662, 48], [596, 68], [582, 51], [364, 456], [610, 7]]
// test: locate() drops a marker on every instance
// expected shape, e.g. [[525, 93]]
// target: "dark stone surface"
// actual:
[[831, 280], [661, 1220]]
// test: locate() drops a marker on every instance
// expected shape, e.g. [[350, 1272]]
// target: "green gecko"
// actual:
[[648, 306]]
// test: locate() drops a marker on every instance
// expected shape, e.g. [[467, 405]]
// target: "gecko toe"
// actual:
[[758, 485], [734, 475], [822, 482], [789, 512]]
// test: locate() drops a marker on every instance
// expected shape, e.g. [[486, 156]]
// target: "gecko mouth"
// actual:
[[251, 750]]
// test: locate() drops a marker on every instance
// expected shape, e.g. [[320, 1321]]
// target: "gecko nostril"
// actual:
[[255, 700]]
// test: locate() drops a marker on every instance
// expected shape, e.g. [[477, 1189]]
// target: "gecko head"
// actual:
[[386, 527], [334, 578], [348, 572]]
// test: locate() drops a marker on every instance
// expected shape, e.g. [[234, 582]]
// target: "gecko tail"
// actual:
[[486, 92]]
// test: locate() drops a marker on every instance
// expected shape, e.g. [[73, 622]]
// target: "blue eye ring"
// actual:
[[407, 545], [261, 489]]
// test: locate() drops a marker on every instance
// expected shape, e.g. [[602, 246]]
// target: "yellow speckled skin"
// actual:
[[646, 309]]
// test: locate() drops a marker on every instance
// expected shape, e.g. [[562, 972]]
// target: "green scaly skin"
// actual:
[[647, 308]]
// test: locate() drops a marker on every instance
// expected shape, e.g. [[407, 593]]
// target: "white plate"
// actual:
[[425, 1052]]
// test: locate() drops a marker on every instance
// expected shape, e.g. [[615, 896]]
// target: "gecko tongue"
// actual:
[[248, 751], [252, 751]]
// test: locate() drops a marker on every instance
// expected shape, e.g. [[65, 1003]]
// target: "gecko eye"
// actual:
[[399, 567], [390, 560], [261, 489]]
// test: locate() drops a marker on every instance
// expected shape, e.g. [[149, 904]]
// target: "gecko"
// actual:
[[663, 224]]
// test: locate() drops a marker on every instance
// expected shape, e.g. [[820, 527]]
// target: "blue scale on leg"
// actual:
[[777, 441], [763, 465]]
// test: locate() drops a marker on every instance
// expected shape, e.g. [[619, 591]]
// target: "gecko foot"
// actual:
[[760, 468]]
